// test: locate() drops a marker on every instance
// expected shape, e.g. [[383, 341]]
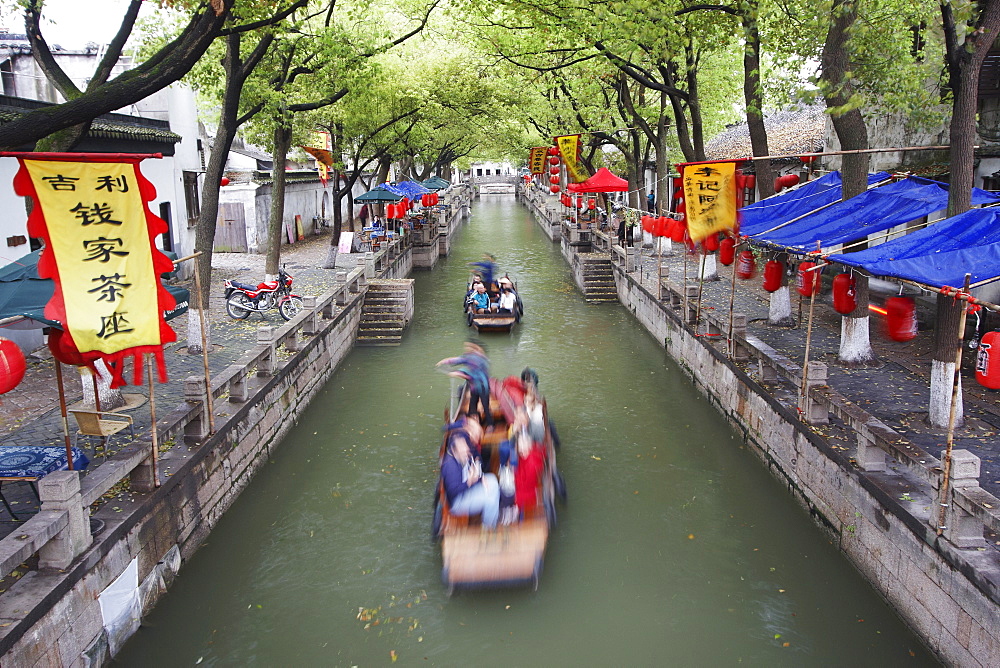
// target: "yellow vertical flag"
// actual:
[[98, 231], [536, 159], [710, 198], [569, 149]]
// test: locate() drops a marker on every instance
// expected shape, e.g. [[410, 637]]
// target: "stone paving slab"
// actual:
[[29, 414], [896, 390]]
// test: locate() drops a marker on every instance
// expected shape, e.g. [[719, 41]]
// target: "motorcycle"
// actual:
[[243, 299]]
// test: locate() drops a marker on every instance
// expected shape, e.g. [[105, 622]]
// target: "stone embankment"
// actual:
[[871, 481]]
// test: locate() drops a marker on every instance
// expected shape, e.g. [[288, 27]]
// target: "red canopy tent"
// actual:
[[601, 182]]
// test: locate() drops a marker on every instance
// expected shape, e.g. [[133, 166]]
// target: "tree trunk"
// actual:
[[754, 98], [949, 312], [275, 226], [109, 399], [855, 343], [779, 312]]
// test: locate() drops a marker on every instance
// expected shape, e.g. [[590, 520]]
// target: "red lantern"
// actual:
[[807, 159], [554, 171], [592, 204], [647, 224], [901, 318], [579, 202], [808, 281], [224, 181], [681, 207], [554, 160], [710, 243], [845, 298], [12, 365], [746, 267], [554, 189], [553, 150], [987, 374], [727, 251], [554, 179], [773, 271], [679, 230], [437, 198]]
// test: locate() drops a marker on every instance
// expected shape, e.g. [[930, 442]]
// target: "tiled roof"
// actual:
[[789, 132], [108, 126]]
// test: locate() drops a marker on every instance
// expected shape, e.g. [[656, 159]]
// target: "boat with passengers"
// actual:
[[497, 316], [519, 450]]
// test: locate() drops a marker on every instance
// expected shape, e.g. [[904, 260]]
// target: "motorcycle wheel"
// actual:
[[290, 307], [239, 306]]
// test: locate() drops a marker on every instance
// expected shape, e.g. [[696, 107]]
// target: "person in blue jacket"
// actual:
[[468, 489], [474, 367]]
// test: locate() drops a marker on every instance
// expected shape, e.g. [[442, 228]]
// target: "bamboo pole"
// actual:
[[956, 386], [809, 326], [732, 302], [64, 413], [154, 430]]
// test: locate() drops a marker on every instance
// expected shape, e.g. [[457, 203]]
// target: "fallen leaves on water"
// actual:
[[595, 457], [690, 536], [392, 655]]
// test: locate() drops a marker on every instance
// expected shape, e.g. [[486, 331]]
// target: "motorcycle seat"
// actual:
[[243, 286]]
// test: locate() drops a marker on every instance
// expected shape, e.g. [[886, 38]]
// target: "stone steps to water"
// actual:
[[383, 315], [598, 280]]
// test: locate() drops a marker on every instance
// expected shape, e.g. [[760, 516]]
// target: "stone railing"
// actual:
[[969, 508]]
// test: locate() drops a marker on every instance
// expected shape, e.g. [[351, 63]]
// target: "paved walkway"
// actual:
[[895, 390], [29, 414]]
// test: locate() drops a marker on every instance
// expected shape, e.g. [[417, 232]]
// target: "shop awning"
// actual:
[[601, 182]]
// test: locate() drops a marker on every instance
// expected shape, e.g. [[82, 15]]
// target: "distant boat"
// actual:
[[493, 322], [507, 556]]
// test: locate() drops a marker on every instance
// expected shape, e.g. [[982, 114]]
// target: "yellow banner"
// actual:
[[100, 243], [710, 198], [569, 149], [536, 159]]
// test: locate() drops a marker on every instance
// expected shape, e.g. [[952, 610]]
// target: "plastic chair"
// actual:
[[93, 423]]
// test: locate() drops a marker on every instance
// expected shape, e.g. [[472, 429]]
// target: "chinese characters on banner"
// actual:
[[710, 198], [536, 160], [98, 231], [569, 149]]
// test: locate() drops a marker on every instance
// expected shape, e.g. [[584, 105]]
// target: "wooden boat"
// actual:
[[493, 322], [508, 556]]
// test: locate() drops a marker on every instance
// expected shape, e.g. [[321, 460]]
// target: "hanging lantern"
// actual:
[[845, 298], [807, 159], [554, 171], [437, 198], [773, 271], [579, 202], [224, 181], [746, 266], [710, 243], [901, 318], [679, 230], [424, 199], [592, 204], [727, 251], [554, 189], [12, 365], [807, 281], [987, 373], [681, 207], [554, 179], [553, 150], [554, 160], [647, 224]]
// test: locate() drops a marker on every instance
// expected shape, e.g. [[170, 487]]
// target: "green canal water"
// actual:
[[676, 547]]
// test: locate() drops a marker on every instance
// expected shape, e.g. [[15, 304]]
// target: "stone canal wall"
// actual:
[[946, 588], [52, 615]]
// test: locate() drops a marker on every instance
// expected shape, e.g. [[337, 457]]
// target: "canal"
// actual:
[[676, 546]]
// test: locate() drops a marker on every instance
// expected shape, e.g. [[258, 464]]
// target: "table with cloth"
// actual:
[[31, 463]]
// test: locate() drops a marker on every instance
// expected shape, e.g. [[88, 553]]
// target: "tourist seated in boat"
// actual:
[[528, 473], [468, 489], [468, 427], [478, 299], [507, 300]]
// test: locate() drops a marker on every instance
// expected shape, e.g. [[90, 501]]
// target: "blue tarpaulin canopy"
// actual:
[[939, 254], [411, 189], [767, 213], [870, 212]]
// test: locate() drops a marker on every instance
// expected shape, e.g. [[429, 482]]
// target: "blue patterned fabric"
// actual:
[[37, 461]]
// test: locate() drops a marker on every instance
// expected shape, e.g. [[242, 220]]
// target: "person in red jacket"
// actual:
[[530, 464]]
